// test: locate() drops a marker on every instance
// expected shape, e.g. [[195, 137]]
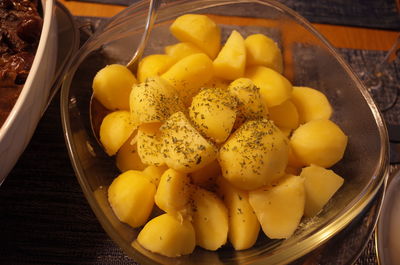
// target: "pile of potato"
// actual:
[[218, 139]]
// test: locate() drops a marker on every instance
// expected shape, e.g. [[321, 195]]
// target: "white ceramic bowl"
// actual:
[[18, 129]]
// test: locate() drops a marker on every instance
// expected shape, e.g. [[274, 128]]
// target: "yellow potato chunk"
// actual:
[[231, 60], [205, 177], [320, 185], [250, 103], [112, 86], [149, 144], [216, 82], [154, 65], [274, 87], [154, 173], [213, 112], [199, 30], [188, 75], [153, 101], [279, 207], [262, 50], [243, 222], [210, 219], [255, 155], [183, 147], [172, 194], [115, 129], [131, 196], [180, 50], [319, 142], [285, 115], [167, 235], [127, 157], [311, 104]]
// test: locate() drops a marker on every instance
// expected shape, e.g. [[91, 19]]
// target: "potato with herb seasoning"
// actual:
[[243, 222], [254, 155], [115, 129], [210, 219], [153, 101], [149, 144], [213, 112], [168, 235], [183, 147]]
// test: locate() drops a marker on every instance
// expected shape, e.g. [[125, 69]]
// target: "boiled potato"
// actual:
[[168, 235], [243, 222], [198, 30], [205, 177], [213, 112], [231, 60], [115, 129], [217, 82], [320, 185], [173, 191], [154, 173], [274, 87], [255, 155], [311, 104], [188, 75], [131, 196], [153, 101], [285, 115], [279, 207], [112, 86], [149, 144], [210, 219], [183, 147], [180, 50], [250, 104], [319, 142], [262, 50], [154, 65], [127, 157]]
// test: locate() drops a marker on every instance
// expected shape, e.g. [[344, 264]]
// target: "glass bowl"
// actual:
[[309, 61]]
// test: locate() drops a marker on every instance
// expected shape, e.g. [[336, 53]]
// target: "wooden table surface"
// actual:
[[339, 36]]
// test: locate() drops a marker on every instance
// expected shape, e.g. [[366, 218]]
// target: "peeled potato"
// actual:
[[262, 50], [205, 177], [255, 155], [149, 144], [112, 86], [231, 60], [274, 87], [181, 50], [285, 115], [320, 185], [154, 173], [216, 82], [199, 30], [131, 196], [210, 219], [173, 191], [243, 222], [153, 101], [189, 74], [319, 142], [168, 236], [128, 158], [213, 112], [115, 129], [250, 104], [154, 65], [183, 147], [311, 104], [279, 207]]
